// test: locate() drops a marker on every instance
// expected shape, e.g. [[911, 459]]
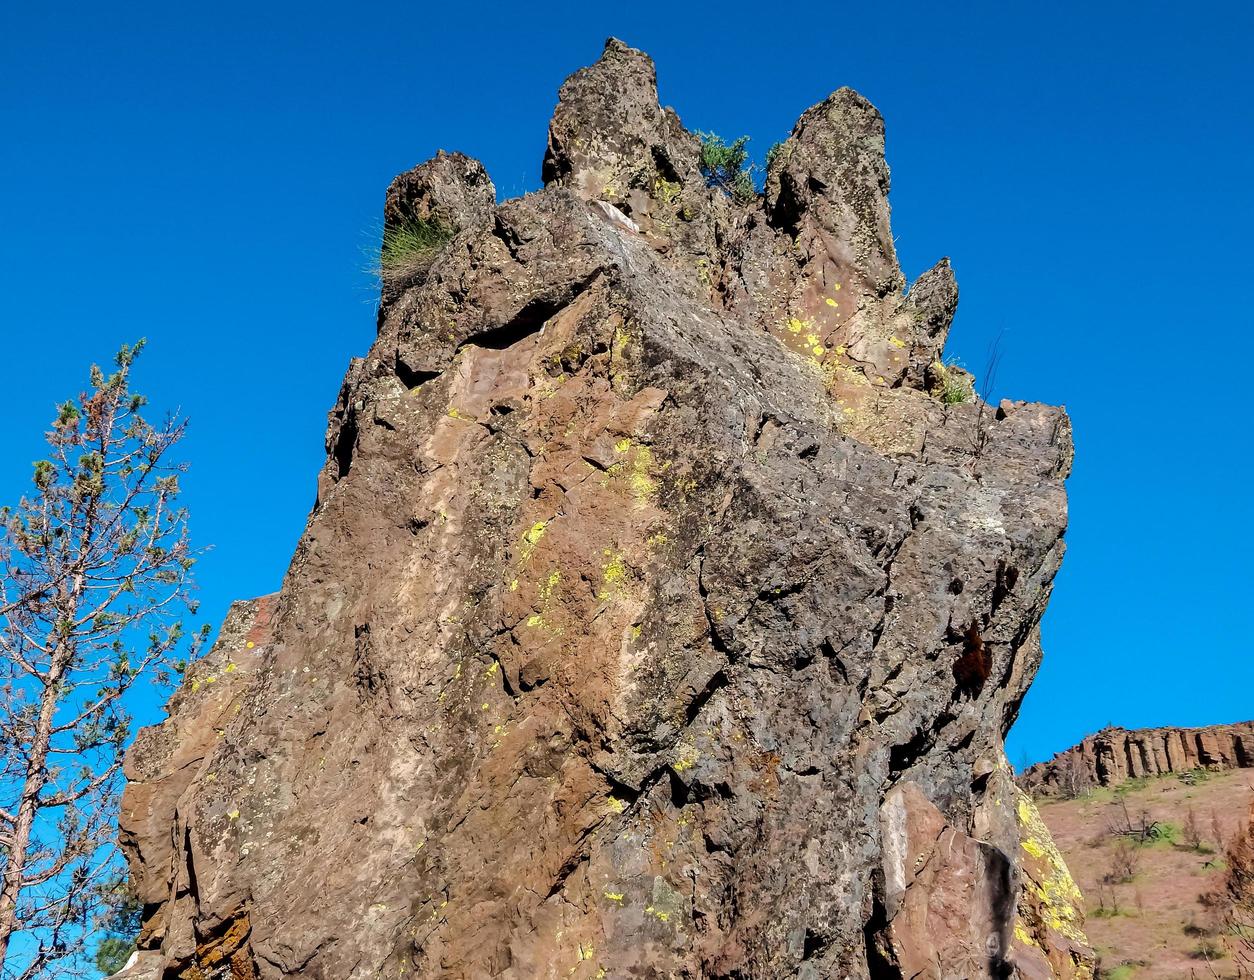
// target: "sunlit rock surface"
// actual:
[[654, 618]]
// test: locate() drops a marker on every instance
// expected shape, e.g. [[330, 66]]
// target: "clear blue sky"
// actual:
[[208, 175]]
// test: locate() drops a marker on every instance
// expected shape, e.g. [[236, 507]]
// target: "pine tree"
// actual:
[[95, 573]]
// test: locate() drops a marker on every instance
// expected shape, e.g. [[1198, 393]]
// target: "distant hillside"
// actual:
[[1149, 857], [1115, 755]]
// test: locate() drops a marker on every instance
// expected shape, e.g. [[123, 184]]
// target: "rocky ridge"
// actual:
[[1115, 755], [653, 619]]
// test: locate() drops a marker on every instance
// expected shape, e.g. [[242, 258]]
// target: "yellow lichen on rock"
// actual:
[[532, 538], [1051, 908], [613, 575]]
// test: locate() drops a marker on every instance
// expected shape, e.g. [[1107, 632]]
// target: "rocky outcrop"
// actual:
[[652, 619], [952, 901], [1115, 755], [165, 767]]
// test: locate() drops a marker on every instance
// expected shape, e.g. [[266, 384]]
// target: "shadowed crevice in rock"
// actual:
[[342, 450], [530, 319], [411, 378]]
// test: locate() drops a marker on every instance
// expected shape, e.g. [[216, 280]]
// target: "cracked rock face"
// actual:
[[653, 620]]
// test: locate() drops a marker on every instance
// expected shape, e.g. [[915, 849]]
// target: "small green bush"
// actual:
[[773, 152], [1208, 949], [112, 954], [409, 249], [726, 166], [952, 387]]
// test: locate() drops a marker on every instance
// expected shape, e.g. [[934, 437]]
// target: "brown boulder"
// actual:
[[949, 900]]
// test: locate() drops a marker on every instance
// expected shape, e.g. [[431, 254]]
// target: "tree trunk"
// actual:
[[36, 780]]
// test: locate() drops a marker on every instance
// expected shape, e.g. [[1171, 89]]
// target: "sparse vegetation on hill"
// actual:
[[1146, 855]]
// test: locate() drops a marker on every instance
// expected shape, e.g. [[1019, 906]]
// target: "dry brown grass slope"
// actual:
[[1150, 858]]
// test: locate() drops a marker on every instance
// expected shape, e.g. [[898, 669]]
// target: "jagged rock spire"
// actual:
[[626, 635], [608, 129], [450, 188], [813, 260], [828, 186]]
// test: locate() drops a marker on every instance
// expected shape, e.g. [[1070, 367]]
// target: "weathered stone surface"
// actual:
[[450, 189], [1115, 755], [830, 178], [610, 141], [629, 617], [450, 192], [167, 762], [608, 129], [1049, 938], [949, 900]]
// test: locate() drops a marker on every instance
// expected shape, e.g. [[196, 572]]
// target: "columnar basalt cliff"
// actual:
[[1115, 755], [653, 620]]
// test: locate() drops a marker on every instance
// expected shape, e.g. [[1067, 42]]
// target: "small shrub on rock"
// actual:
[[409, 249], [951, 383], [726, 166]]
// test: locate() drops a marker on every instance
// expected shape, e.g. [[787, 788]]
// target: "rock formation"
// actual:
[[1115, 755], [653, 619]]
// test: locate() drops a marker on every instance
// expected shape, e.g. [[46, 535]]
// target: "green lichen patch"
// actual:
[[666, 904]]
